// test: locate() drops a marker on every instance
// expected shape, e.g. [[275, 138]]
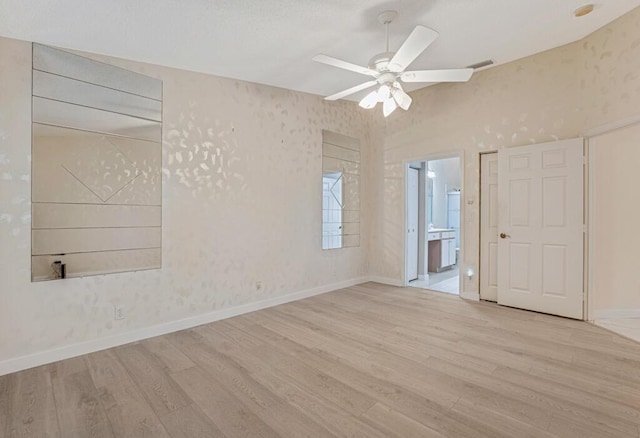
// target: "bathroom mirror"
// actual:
[[340, 191], [96, 167]]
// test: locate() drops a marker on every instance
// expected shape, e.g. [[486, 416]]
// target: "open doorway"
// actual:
[[433, 224]]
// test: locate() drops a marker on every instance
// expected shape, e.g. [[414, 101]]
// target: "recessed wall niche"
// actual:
[[340, 191], [96, 167]]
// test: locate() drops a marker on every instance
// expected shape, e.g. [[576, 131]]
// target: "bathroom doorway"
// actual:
[[433, 220]]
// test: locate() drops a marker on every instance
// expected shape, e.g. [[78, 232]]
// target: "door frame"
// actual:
[[409, 169], [458, 153], [480, 217]]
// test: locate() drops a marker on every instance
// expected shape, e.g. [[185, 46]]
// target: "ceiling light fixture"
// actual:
[[391, 96], [388, 70], [583, 10], [390, 92]]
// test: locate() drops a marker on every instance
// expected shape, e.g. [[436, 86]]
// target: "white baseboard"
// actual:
[[386, 280], [616, 313], [423, 277], [80, 348], [472, 296]]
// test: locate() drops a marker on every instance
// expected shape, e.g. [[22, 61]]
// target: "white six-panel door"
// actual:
[[489, 227], [540, 244]]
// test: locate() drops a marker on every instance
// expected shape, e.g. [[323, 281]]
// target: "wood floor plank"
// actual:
[[518, 401], [503, 425], [270, 358], [128, 411], [329, 334], [404, 400], [6, 402], [162, 393], [578, 396], [80, 413], [67, 367], [561, 426], [190, 422], [343, 395], [396, 423], [592, 384], [232, 332], [273, 410], [228, 413], [467, 389], [370, 360], [27, 406], [170, 356], [334, 418]]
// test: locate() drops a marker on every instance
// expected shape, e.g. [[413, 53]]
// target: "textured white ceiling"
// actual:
[[272, 41]]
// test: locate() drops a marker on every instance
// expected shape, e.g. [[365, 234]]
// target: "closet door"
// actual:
[[541, 226]]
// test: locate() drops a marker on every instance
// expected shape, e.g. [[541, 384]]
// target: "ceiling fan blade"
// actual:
[[452, 75], [419, 39], [335, 62], [351, 90]]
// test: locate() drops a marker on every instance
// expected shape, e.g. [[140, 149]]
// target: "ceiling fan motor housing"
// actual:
[[387, 78], [380, 62]]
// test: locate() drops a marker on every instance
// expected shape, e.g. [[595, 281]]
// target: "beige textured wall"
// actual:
[[252, 213], [553, 95]]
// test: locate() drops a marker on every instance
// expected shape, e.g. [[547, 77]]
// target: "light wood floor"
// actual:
[[368, 361]]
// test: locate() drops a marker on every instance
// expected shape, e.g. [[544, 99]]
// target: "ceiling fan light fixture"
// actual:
[[402, 98], [383, 93], [389, 106], [388, 69], [370, 100]]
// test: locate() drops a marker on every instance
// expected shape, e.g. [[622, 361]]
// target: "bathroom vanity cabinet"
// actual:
[[442, 249]]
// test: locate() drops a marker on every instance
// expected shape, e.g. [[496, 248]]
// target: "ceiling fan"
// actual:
[[388, 70]]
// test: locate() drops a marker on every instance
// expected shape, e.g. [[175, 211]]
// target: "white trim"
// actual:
[[471, 296], [615, 314], [590, 241], [404, 282], [386, 280], [68, 351], [423, 277], [608, 127]]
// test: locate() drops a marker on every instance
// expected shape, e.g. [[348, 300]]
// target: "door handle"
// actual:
[[504, 235]]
